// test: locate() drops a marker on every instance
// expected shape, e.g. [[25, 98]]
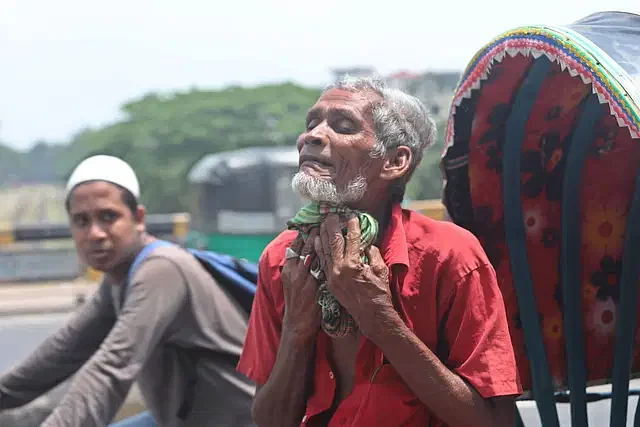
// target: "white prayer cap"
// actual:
[[105, 168]]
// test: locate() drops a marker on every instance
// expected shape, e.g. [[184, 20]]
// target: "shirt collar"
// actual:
[[393, 246]]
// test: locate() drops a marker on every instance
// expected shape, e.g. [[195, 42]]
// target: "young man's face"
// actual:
[[106, 232]]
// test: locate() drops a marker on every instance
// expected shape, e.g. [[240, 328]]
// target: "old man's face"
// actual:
[[335, 148]]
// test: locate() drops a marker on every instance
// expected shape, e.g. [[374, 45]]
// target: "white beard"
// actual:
[[321, 190]]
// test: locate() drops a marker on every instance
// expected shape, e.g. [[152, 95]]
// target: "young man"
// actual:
[[137, 330], [402, 322]]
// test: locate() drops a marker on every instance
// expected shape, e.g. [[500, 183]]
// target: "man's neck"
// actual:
[[119, 274]]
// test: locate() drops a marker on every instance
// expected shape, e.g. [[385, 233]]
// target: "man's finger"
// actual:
[[336, 240], [317, 245], [312, 281], [376, 262], [298, 243], [325, 243], [296, 246], [306, 256], [352, 251], [308, 244], [305, 262]]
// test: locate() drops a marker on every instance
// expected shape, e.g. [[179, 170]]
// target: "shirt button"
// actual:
[[331, 374]]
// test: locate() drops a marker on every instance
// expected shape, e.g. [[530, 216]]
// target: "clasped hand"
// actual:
[[362, 289], [302, 313]]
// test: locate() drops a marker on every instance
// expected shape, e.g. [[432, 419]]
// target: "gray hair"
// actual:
[[399, 119]]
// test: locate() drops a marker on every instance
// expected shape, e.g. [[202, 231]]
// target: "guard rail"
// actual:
[[24, 258]]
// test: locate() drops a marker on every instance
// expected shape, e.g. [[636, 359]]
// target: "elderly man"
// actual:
[[165, 323], [367, 314]]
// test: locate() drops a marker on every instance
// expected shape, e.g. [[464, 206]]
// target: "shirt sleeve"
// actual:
[[60, 355], [154, 298], [477, 335], [265, 326]]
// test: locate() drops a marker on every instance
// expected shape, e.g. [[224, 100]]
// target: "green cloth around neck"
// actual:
[[313, 214], [336, 322]]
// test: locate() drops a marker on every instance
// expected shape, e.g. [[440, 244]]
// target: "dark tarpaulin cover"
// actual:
[[618, 34]]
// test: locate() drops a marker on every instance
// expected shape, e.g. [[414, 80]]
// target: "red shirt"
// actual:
[[446, 291]]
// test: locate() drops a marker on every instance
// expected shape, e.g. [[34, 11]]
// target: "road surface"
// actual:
[[19, 335]]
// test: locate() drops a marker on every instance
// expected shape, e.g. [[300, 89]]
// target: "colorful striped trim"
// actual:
[[574, 53]]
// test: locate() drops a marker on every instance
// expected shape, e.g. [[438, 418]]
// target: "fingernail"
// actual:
[[307, 261]]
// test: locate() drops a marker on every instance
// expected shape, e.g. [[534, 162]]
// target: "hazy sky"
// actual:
[[69, 64]]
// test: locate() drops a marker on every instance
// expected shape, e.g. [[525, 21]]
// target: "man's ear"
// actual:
[[141, 212], [397, 163]]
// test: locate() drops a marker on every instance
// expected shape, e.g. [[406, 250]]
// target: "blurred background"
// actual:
[[205, 100]]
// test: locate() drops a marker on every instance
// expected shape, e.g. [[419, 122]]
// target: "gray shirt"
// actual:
[[171, 303]]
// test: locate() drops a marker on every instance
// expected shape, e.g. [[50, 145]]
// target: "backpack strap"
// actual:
[[144, 253]]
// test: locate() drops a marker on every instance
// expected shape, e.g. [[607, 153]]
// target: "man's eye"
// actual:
[[344, 126], [107, 216], [80, 221], [312, 124]]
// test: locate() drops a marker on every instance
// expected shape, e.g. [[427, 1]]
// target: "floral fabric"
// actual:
[[473, 195]]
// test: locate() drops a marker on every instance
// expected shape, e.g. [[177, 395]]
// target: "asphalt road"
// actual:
[[19, 335]]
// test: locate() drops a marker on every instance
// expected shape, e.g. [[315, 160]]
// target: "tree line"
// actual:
[[163, 136]]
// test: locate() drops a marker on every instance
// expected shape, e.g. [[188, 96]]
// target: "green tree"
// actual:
[[426, 182], [163, 136]]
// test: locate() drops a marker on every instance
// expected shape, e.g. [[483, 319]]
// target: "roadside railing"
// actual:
[[38, 252], [45, 252]]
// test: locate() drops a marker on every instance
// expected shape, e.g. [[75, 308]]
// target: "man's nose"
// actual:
[[96, 231], [316, 136]]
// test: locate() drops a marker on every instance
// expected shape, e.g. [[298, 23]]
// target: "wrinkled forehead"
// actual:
[[353, 103], [95, 195]]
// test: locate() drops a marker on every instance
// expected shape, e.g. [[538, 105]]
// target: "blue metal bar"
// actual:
[[543, 390], [583, 138], [626, 317]]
